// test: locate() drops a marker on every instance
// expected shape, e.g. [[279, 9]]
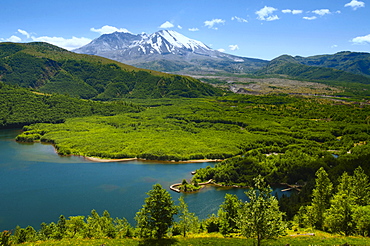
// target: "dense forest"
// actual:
[[20, 106], [50, 69]]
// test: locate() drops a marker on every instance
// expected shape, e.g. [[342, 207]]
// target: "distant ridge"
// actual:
[[342, 66]]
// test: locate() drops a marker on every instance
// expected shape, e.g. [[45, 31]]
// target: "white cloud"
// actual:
[[14, 39], [69, 44], [310, 18], [361, 39], [211, 23], [354, 4], [266, 14], [108, 29], [233, 47], [24, 33], [334, 46], [321, 12], [179, 27], [239, 19], [167, 24], [66, 43], [221, 50], [297, 11], [272, 18], [194, 29], [294, 11]]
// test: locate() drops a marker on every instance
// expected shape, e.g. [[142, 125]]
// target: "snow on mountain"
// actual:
[[166, 50]]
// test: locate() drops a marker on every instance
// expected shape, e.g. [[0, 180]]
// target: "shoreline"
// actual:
[[98, 159]]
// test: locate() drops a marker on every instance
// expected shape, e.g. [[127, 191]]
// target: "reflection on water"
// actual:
[[37, 185]]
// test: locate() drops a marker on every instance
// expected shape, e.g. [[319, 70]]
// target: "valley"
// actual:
[[292, 121], [275, 85]]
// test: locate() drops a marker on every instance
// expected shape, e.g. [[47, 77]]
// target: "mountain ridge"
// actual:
[[49, 69]]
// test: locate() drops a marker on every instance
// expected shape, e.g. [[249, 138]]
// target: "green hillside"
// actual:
[[290, 67], [352, 62], [20, 106], [50, 69]]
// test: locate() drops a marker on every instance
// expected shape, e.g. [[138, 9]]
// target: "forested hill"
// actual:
[[50, 69], [352, 62], [303, 69]]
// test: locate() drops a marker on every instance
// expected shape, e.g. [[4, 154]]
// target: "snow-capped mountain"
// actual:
[[166, 50]]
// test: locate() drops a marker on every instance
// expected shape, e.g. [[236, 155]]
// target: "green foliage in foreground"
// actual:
[[213, 239], [157, 214], [257, 217]]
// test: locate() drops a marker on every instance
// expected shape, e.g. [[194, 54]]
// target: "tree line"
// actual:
[[341, 208], [258, 218]]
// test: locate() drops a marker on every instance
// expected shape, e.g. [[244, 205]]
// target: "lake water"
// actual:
[[37, 185]]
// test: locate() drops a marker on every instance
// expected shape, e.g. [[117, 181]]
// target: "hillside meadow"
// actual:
[[320, 238]]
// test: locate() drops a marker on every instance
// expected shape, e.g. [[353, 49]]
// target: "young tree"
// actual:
[[61, 228], [228, 213], [261, 217], [156, 215], [321, 197], [361, 187], [76, 226], [338, 217], [187, 220]]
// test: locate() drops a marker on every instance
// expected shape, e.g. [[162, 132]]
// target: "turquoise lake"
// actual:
[[37, 185]]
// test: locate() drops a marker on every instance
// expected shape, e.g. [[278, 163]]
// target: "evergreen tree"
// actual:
[[156, 215], [260, 217], [321, 195]]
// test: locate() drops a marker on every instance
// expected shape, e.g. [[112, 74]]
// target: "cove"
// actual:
[[37, 185]]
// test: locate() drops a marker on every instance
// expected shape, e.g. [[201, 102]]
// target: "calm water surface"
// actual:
[[37, 185]]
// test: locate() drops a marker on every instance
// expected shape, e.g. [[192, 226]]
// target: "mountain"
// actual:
[[352, 62], [167, 51], [297, 67], [50, 69]]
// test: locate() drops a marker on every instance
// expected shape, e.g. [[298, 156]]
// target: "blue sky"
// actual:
[[261, 29]]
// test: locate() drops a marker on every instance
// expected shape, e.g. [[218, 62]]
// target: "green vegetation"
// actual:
[[357, 84], [286, 139], [189, 187], [76, 103], [258, 218], [352, 62], [157, 214], [20, 106], [344, 211], [50, 69]]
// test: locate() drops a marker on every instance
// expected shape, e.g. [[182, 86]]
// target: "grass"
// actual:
[[216, 239]]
